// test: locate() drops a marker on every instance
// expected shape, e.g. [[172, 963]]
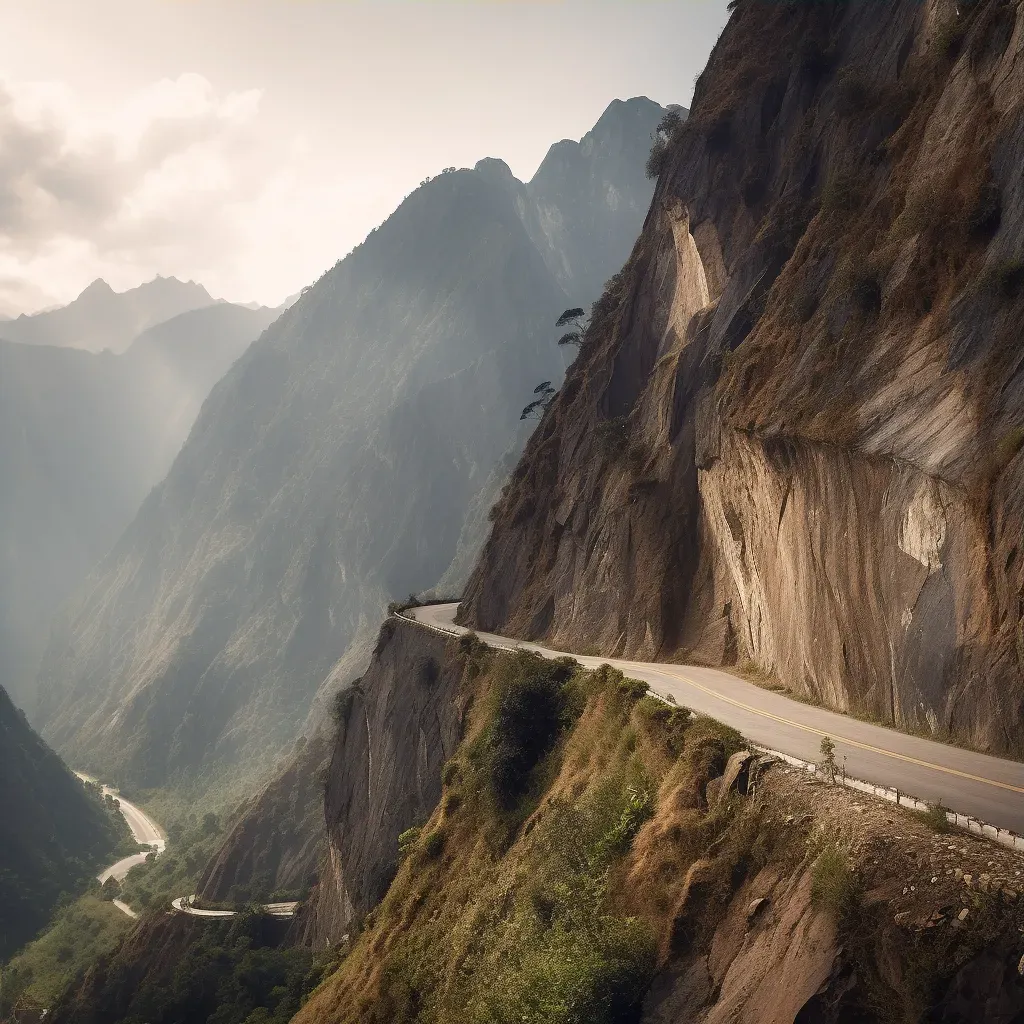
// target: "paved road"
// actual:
[[183, 905], [146, 832], [988, 788]]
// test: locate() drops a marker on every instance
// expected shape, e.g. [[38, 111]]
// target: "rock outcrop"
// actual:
[[395, 729], [793, 435], [333, 469]]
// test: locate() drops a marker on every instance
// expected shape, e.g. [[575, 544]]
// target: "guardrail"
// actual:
[[965, 822]]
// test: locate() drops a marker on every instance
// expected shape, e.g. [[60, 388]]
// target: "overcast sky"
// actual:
[[249, 144]]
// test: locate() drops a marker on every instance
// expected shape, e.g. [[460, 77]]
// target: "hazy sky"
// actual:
[[249, 144]]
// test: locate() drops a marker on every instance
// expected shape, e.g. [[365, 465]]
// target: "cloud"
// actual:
[[166, 176]]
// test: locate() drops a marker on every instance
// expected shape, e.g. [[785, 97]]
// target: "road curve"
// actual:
[[145, 830], [988, 788], [183, 905]]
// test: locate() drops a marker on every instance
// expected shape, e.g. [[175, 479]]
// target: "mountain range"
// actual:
[[83, 437], [335, 465]]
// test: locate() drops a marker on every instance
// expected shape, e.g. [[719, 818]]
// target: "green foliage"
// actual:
[[617, 841], [833, 885], [527, 722], [935, 818], [407, 841], [79, 933], [433, 845], [229, 973], [827, 765], [56, 833], [153, 885]]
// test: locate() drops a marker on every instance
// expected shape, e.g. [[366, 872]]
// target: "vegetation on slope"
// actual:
[[55, 833], [528, 895], [80, 932]]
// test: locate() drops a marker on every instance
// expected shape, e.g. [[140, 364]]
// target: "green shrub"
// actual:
[[834, 887], [935, 818], [407, 841], [526, 725], [433, 845]]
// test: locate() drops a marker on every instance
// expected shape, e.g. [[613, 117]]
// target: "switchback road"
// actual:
[[988, 788]]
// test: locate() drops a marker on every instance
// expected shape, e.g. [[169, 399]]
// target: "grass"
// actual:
[[834, 886], [550, 891], [79, 933], [935, 818]]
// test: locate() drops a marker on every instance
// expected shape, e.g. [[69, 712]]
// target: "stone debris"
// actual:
[[962, 916]]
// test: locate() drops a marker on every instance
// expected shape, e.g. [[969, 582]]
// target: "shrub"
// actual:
[[656, 159], [833, 885], [935, 818], [526, 724], [433, 845], [407, 841]]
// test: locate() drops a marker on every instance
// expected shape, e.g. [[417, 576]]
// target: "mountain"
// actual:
[[54, 833], [795, 437], [101, 318], [332, 468], [83, 438]]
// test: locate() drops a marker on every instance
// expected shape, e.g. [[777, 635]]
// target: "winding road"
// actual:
[[146, 832], [988, 788]]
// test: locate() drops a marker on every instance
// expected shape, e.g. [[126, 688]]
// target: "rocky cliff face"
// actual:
[[395, 729], [647, 868], [331, 470], [793, 435]]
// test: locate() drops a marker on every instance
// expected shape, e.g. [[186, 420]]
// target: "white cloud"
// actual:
[[177, 180]]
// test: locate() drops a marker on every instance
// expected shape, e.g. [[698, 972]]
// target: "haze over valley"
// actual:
[[510, 513]]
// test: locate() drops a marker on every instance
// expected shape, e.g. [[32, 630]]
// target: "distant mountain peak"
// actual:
[[94, 290]]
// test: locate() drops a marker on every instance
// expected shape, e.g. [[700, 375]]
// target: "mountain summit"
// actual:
[[101, 318], [332, 469]]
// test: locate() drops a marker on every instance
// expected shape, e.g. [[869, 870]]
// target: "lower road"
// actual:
[[146, 832], [184, 905], [988, 788]]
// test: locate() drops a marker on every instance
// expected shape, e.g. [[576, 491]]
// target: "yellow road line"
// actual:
[[843, 739]]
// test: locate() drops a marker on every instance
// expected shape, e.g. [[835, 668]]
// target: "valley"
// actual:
[[594, 598]]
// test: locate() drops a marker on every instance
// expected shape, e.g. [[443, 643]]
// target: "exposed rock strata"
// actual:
[[793, 435], [396, 728]]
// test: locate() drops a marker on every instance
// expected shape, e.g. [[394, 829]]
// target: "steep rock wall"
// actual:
[[395, 729], [793, 433]]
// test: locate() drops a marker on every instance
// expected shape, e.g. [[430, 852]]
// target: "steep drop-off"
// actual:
[[333, 467], [54, 834], [83, 438], [793, 435], [568, 848]]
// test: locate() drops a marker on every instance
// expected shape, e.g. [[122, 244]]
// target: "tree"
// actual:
[[827, 765], [666, 133], [537, 407], [573, 319]]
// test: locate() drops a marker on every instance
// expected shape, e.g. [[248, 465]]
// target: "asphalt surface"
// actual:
[[988, 788], [183, 905], [146, 832]]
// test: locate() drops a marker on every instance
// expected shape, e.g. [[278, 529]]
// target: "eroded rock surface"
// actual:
[[793, 435]]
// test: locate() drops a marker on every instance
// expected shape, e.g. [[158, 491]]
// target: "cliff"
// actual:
[[330, 470], [587, 852], [793, 434]]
